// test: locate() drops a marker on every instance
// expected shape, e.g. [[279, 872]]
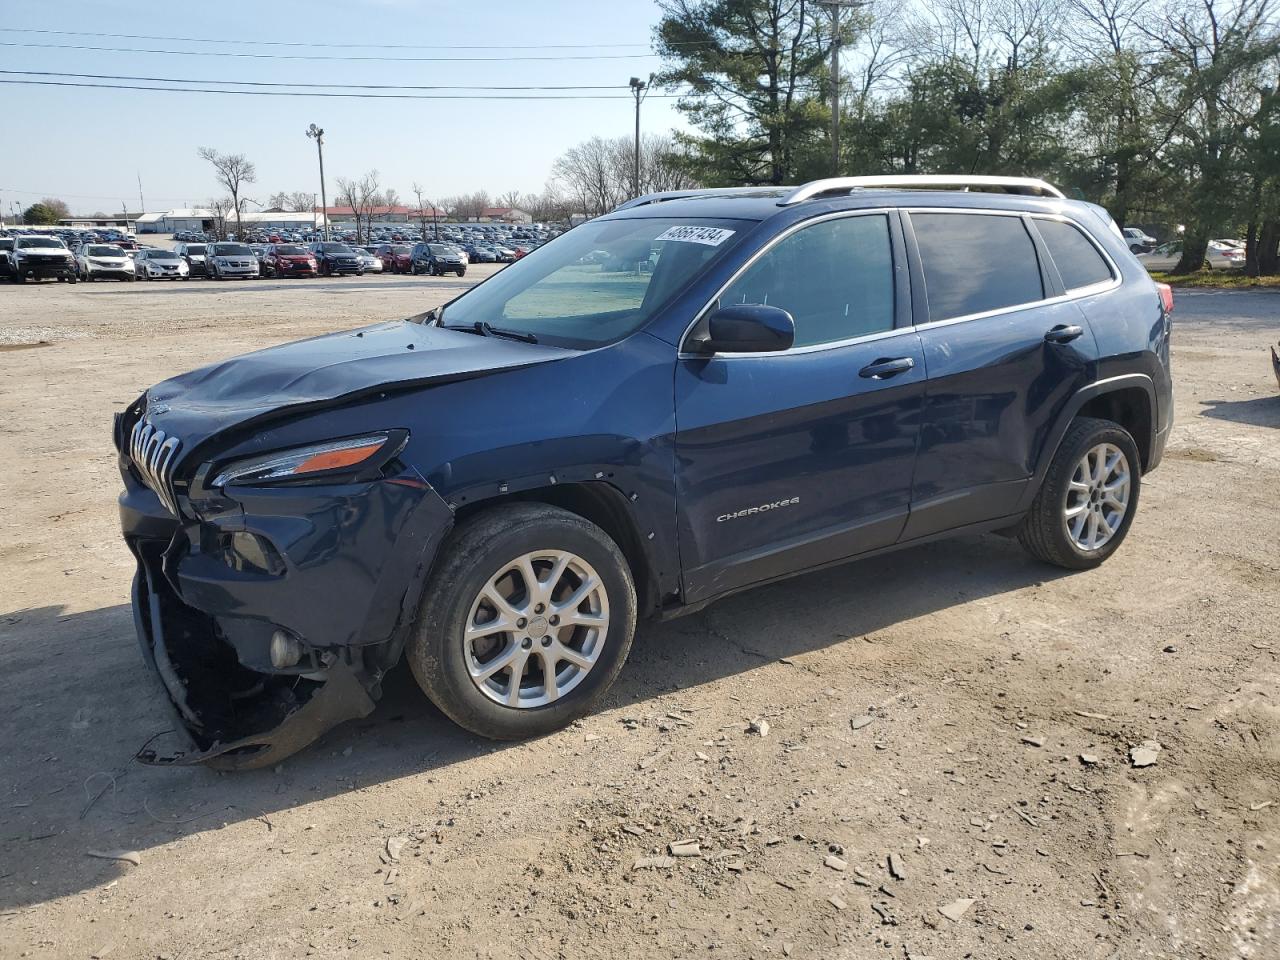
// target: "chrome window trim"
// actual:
[[1078, 293]]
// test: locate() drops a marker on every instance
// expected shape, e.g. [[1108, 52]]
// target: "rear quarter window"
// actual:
[[975, 263], [1078, 261]]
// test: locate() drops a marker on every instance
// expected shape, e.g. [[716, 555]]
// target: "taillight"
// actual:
[[1166, 296]]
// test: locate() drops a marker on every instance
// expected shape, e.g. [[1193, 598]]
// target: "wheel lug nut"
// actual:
[[546, 641], [554, 620], [539, 608], [526, 643], [520, 623]]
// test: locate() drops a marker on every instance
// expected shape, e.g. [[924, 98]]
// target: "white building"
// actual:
[[171, 221]]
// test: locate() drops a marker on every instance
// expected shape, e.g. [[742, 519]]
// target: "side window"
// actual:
[[976, 262], [1078, 260], [835, 278]]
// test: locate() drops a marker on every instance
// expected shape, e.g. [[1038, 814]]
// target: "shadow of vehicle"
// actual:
[[1259, 411], [78, 705]]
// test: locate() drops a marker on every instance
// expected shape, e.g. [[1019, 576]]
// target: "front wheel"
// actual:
[[1086, 504], [526, 622]]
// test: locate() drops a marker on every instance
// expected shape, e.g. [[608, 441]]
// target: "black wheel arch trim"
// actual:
[[1126, 381]]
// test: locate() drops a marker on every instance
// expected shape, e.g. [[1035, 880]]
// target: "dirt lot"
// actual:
[[1003, 699]]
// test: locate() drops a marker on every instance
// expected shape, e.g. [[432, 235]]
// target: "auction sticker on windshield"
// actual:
[[711, 236]]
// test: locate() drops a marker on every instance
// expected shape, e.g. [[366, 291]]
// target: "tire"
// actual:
[[479, 549], [17, 277], [462, 273], [130, 277], [72, 279], [1044, 531]]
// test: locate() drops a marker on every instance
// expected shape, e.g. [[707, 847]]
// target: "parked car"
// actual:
[[289, 260], [369, 261], [477, 253], [39, 257], [155, 264], [336, 258], [436, 259], [395, 257], [6, 250], [197, 257], [1138, 241], [102, 261], [801, 379], [1218, 256], [232, 260]]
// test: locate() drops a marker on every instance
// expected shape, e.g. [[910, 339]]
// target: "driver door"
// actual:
[[790, 460]]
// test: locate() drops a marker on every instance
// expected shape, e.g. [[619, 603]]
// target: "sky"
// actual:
[[89, 147]]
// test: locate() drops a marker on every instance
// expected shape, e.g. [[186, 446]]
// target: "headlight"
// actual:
[[317, 459]]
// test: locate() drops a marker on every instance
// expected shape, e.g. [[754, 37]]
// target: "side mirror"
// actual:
[[749, 328]]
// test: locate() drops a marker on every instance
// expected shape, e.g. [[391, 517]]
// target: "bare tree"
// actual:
[[471, 205], [233, 171], [363, 196], [596, 175], [300, 201], [511, 198], [220, 208]]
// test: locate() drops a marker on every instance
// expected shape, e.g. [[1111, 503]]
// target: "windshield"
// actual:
[[401, 249], [96, 251], [161, 255], [290, 252], [231, 250], [439, 249], [597, 283], [29, 242], [196, 250], [335, 248]]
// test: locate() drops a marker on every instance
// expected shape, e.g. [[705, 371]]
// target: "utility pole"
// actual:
[[639, 90], [835, 6], [142, 204], [316, 134]]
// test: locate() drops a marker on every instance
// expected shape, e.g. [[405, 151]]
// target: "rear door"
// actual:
[[1005, 349], [789, 460]]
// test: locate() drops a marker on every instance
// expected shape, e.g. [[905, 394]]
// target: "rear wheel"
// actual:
[[1086, 504], [526, 622]]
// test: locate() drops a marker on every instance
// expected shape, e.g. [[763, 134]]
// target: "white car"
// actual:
[[1218, 256], [1138, 240], [369, 262], [102, 261], [153, 264]]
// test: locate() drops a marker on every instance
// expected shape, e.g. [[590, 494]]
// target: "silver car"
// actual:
[[226, 260]]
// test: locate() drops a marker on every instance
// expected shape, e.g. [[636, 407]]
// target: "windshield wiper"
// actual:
[[484, 327]]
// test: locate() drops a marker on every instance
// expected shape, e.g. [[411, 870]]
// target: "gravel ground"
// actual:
[[946, 769]]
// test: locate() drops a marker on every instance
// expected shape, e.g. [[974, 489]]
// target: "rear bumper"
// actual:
[[347, 587]]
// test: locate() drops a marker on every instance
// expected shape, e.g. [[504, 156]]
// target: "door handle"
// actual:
[[884, 369], [1063, 333]]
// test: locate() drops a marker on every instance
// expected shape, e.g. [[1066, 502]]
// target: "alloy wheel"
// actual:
[[1097, 497], [536, 629]]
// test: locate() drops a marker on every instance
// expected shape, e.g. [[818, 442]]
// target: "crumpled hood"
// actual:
[[339, 366]]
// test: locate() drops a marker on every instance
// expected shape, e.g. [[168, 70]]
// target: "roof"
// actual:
[[398, 210], [501, 211]]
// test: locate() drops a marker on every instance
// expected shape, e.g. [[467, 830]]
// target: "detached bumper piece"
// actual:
[[235, 718]]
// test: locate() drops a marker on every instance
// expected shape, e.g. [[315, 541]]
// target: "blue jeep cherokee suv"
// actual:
[[695, 394]]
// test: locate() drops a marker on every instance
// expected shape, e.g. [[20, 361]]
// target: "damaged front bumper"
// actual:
[[345, 581]]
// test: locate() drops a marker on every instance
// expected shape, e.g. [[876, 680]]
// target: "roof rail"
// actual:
[[649, 198], [1028, 186]]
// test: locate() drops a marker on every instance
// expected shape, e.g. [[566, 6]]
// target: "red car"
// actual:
[[289, 260], [395, 257]]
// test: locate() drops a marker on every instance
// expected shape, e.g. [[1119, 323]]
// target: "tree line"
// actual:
[[1165, 111]]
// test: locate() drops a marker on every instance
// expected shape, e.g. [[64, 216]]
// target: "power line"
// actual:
[[308, 93], [350, 46], [261, 83], [295, 56]]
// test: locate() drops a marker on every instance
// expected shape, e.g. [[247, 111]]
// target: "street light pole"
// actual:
[[638, 88], [316, 134], [835, 6]]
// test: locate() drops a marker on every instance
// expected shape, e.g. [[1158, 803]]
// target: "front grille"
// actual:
[[154, 456]]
